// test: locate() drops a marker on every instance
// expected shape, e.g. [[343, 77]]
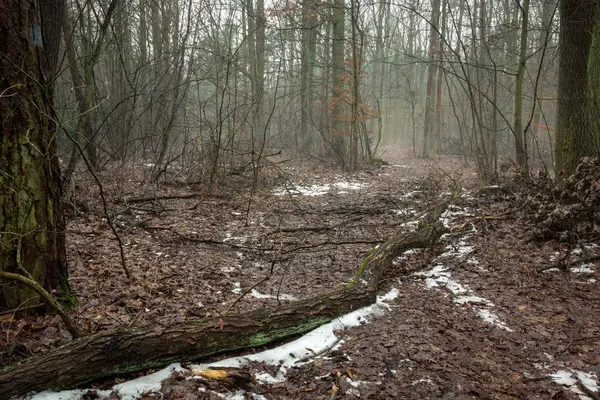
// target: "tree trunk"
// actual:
[[545, 32], [32, 238], [437, 133], [338, 72], [576, 134], [126, 350], [431, 75], [260, 120], [520, 137], [307, 55], [84, 122]]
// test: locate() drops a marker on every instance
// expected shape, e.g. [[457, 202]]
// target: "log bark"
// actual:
[[122, 351]]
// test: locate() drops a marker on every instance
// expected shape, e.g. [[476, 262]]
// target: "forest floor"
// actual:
[[480, 315]]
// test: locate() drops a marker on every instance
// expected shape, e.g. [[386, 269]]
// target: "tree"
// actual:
[[576, 131], [32, 238], [431, 77], [338, 81], [520, 135], [309, 40]]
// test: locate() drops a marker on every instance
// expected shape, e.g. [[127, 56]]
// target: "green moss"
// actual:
[[360, 269], [68, 298], [261, 339]]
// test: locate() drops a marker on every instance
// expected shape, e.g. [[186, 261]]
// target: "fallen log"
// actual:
[[122, 351]]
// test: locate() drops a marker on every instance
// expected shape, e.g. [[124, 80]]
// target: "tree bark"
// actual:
[[431, 75], [576, 134], [126, 350], [309, 30], [338, 74], [32, 238], [520, 136]]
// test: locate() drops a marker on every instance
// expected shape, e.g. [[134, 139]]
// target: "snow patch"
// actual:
[[130, 390], [349, 185], [440, 277], [584, 269], [471, 300], [424, 380], [229, 237], [568, 378], [493, 319], [317, 190], [255, 293]]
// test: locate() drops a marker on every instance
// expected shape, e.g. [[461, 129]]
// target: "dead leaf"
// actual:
[[333, 391]]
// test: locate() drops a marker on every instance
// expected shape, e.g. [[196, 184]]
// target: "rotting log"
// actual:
[[121, 351]]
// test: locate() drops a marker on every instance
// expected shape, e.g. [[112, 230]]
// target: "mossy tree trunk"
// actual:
[[32, 240]]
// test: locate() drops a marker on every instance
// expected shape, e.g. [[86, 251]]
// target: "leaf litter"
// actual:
[[470, 318]]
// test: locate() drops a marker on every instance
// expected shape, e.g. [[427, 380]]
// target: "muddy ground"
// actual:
[[481, 315]]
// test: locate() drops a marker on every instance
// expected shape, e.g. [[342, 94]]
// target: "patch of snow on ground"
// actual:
[[440, 277], [569, 378], [398, 260], [410, 226], [259, 295], [488, 316], [265, 377], [65, 395], [584, 269], [471, 300], [407, 212], [317, 190], [427, 381], [239, 395], [451, 213], [349, 185], [356, 383], [229, 237], [299, 190], [130, 390], [461, 249], [412, 194]]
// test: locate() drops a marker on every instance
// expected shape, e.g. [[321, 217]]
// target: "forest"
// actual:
[[299, 199]]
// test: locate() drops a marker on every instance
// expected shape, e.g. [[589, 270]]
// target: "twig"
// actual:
[[22, 308], [48, 299], [206, 241], [321, 244], [586, 389], [104, 205], [244, 293], [168, 197], [319, 228]]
